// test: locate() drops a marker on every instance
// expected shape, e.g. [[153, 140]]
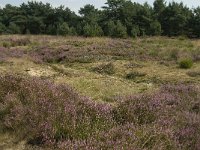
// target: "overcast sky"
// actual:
[[74, 5]]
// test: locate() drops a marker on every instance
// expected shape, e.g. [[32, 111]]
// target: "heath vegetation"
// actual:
[[126, 76]]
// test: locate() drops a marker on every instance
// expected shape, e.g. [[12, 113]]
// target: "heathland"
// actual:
[[99, 93]]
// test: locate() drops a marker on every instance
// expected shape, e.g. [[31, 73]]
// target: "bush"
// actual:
[[13, 29], [186, 63], [40, 110], [153, 112], [2, 28], [155, 28], [47, 113], [109, 29], [105, 69], [120, 31], [194, 73], [135, 31], [133, 75], [6, 44], [64, 29], [91, 30]]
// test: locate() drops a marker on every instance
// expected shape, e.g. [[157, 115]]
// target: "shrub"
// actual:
[[105, 69], [13, 29], [47, 113], [186, 63], [91, 30], [2, 28], [120, 31], [168, 114], [135, 32], [194, 73], [19, 41], [155, 28], [6, 44], [133, 75], [40, 110], [64, 29], [134, 110], [174, 54], [109, 29]]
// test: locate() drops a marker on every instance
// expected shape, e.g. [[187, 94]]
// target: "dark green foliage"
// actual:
[[64, 29], [13, 29], [155, 28], [2, 28], [120, 31], [186, 63], [118, 18], [92, 30], [135, 31], [109, 28]]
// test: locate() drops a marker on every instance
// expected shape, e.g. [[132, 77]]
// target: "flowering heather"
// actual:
[[49, 55], [174, 109], [55, 115], [9, 53], [46, 113]]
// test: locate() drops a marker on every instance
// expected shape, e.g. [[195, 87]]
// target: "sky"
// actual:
[[74, 5]]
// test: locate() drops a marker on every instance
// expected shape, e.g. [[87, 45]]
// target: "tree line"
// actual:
[[118, 18]]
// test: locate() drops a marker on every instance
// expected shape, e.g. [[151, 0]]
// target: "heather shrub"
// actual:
[[105, 69], [134, 110], [46, 113], [193, 73], [13, 42], [19, 41], [174, 54], [126, 136], [133, 75], [186, 63], [6, 44], [173, 111], [61, 55], [7, 53], [196, 54]]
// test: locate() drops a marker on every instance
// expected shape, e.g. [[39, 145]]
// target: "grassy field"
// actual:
[[106, 70]]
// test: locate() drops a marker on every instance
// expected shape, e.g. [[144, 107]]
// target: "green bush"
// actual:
[[64, 29], [109, 29], [13, 29], [135, 31], [186, 63], [155, 28], [92, 30], [2, 28], [120, 31]]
